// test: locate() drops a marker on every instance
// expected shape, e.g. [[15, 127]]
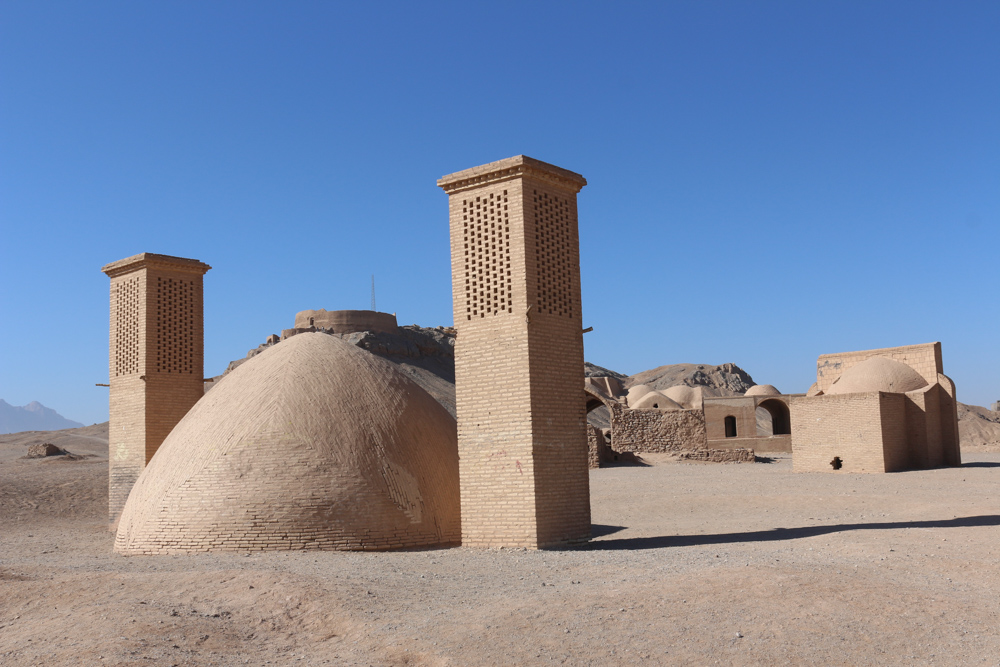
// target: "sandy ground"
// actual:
[[694, 564]]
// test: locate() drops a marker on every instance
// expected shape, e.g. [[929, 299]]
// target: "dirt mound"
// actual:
[[43, 450]]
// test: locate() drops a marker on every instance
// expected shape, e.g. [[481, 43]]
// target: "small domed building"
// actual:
[[877, 411], [312, 444], [690, 398], [654, 400], [763, 390]]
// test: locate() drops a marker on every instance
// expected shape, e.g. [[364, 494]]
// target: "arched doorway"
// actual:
[[780, 418]]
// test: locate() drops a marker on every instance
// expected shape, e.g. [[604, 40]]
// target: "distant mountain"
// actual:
[[32, 417]]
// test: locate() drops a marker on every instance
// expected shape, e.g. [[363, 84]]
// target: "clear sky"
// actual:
[[768, 181]]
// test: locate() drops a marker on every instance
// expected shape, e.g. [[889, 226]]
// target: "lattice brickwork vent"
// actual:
[[127, 304], [486, 234], [553, 254], [176, 320]]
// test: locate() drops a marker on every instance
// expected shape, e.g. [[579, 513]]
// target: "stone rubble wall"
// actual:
[[597, 447], [720, 455], [655, 431]]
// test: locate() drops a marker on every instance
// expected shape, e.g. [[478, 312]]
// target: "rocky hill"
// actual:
[[978, 427], [724, 380]]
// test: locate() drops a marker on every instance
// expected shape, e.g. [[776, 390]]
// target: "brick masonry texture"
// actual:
[[156, 360], [518, 353], [877, 431], [744, 410], [312, 444]]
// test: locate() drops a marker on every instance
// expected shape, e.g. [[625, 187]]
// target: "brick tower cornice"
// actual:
[[519, 166], [149, 260]]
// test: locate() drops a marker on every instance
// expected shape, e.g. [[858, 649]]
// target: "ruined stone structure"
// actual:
[[312, 444], [598, 446], [346, 321], [649, 430], [657, 424], [516, 286], [156, 360], [877, 411]]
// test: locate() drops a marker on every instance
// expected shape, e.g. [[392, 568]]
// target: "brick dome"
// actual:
[[635, 393], [762, 390], [654, 400], [687, 397], [877, 374], [313, 444]]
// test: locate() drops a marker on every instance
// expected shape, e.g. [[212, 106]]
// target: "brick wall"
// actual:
[[743, 409], [848, 426], [949, 422], [903, 435], [518, 354]]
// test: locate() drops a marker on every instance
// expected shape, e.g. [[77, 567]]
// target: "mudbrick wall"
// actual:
[[680, 432], [655, 431]]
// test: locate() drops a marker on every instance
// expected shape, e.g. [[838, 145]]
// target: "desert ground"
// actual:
[[700, 564]]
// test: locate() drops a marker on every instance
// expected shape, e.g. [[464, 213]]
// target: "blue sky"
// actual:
[[768, 181]]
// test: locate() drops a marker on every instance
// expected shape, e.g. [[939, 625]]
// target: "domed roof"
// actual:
[[762, 390], [636, 392], [877, 374], [314, 443], [685, 396], [656, 401]]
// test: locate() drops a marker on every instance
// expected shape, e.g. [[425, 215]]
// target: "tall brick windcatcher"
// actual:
[[156, 360], [522, 438]]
